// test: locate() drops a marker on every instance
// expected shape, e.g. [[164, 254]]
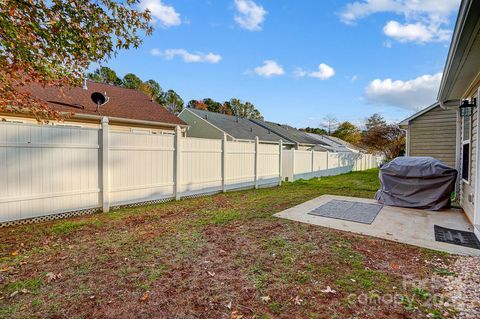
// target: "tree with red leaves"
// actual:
[[54, 42]]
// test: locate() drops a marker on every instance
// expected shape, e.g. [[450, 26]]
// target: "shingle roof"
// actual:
[[290, 133], [333, 143], [123, 103], [238, 128]]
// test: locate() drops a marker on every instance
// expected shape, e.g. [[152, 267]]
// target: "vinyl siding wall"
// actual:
[[434, 134]]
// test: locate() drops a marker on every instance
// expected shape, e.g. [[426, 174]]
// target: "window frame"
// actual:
[[464, 142]]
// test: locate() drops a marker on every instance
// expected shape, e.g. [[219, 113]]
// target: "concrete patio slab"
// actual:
[[404, 225]]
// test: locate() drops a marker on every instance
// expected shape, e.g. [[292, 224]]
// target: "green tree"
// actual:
[[375, 119], [244, 110], [192, 104], [381, 137], [173, 102], [317, 130], [105, 75], [131, 81], [153, 90], [213, 106], [54, 42], [348, 132]]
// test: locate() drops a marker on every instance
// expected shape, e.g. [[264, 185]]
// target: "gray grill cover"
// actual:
[[416, 182]]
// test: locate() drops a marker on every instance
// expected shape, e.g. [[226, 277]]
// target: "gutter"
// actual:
[[124, 120]]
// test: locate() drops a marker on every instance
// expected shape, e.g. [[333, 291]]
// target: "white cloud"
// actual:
[[433, 10], [411, 94], [164, 14], [155, 52], [324, 72], [249, 15], [423, 19], [188, 57], [269, 68], [416, 32]]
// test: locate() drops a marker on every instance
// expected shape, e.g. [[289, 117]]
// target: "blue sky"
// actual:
[[298, 61]]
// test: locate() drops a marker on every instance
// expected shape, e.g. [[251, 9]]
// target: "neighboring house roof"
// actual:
[[345, 143], [290, 133], [406, 121], [334, 145], [236, 127], [123, 103], [463, 64]]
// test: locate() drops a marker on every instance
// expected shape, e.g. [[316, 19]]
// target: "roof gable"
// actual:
[[419, 113]]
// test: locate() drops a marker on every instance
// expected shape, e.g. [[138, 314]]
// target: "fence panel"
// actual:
[[201, 167], [141, 167], [240, 170], [46, 170], [268, 164]]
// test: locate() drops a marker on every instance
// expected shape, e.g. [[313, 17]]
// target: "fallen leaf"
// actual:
[[265, 298], [297, 301], [13, 294], [328, 290], [51, 276], [144, 297], [15, 253], [394, 265], [236, 315], [25, 291]]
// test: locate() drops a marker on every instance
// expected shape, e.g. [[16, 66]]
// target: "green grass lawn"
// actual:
[[222, 256]]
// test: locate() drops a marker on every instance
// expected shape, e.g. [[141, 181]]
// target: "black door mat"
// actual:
[[456, 237], [347, 210]]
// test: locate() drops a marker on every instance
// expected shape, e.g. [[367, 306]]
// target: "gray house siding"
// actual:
[[199, 127], [434, 134]]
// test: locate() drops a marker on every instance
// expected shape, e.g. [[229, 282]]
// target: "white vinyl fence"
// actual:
[[309, 164], [48, 170]]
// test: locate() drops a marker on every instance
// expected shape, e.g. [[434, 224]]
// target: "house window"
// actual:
[[466, 154]]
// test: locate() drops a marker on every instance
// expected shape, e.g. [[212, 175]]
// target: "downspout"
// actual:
[[458, 144]]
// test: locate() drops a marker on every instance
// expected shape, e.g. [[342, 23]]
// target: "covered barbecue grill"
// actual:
[[416, 182]]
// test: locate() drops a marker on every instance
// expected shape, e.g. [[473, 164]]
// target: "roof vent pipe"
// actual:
[[84, 84]]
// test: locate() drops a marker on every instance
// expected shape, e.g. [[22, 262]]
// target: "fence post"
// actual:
[[280, 161], [311, 164], [327, 162], [105, 169], [256, 161], [178, 161], [224, 163]]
